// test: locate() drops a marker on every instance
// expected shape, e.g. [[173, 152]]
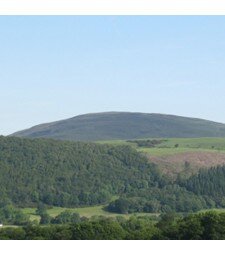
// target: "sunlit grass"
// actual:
[[170, 146], [87, 212]]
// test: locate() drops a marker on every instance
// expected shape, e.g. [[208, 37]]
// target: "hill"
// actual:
[[124, 125], [77, 174]]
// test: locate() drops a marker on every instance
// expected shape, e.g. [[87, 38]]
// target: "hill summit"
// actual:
[[124, 125]]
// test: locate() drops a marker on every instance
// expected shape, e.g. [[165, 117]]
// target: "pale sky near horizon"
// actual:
[[57, 67]]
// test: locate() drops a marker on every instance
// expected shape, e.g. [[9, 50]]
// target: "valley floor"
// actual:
[[87, 212], [94, 211]]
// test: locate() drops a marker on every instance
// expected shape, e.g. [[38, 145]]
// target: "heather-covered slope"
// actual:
[[124, 125]]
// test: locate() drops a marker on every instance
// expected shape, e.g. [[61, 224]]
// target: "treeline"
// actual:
[[204, 226], [209, 183], [203, 190], [9, 215], [171, 198], [147, 143], [12, 216]]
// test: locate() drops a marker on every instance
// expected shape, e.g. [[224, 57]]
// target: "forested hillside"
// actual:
[[208, 183], [75, 174], [124, 125], [69, 174]]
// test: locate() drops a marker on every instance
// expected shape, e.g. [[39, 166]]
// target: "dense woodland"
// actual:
[[69, 174], [208, 183], [204, 226], [75, 174]]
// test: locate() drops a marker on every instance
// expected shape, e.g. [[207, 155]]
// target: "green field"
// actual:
[[90, 212], [87, 212], [186, 145], [168, 146], [204, 143]]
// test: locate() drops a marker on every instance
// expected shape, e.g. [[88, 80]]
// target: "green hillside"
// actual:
[[68, 174], [123, 125], [77, 174]]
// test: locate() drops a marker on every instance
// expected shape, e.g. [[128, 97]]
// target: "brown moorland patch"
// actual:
[[189, 162]]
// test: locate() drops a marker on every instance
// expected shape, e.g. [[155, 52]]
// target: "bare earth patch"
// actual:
[[189, 162]]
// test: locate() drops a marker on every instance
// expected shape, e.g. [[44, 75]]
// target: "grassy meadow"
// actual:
[[90, 212], [168, 146], [87, 212]]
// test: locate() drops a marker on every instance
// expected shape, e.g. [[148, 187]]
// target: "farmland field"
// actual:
[[87, 212], [90, 212], [168, 146]]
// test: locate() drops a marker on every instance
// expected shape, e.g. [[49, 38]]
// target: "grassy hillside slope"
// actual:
[[124, 125]]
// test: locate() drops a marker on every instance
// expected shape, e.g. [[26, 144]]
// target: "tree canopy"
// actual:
[[76, 174]]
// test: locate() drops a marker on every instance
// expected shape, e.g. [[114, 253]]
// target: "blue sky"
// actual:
[[57, 67]]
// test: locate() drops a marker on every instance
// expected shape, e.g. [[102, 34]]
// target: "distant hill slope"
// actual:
[[124, 125]]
